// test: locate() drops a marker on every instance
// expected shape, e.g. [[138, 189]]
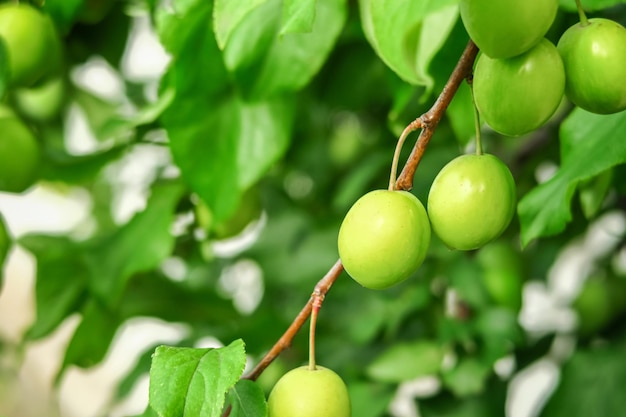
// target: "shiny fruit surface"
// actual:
[[594, 57], [384, 238], [471, 201], [506, 28], [31, 43], [302, 392], [517, 95]]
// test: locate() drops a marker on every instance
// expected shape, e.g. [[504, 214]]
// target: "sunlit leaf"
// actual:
[[187, 382], [590, 144]]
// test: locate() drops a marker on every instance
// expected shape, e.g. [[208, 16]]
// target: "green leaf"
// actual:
[[140, 245], [92, 338], [407, 36], [227, 15], [467, 378], [590, 144], [406, 361], [63, 12], [230, 148], [591, 384], [298, 16], [247, 400], [61, 282], [187, 382], [265, 63], [593, 192]]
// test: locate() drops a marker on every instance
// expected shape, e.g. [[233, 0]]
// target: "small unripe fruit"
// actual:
[[303, 392], [471, 201], [384, 238]]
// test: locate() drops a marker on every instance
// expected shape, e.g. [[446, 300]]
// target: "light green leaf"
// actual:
[[265, 63], [247, 400], [590, 144], [406, 361], [298, 16], [187, 382], [227, 150], [227, 15], [466, 378], [406, 36], [114, 259]]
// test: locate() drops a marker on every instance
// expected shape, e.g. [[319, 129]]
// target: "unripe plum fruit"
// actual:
[[517, 95], [594, 57], [507, 28], [384, 238], [471, 201], [303, 392], [31, 43]]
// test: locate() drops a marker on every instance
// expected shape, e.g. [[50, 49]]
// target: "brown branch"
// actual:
[[321, 289], [428, 123], [431, 118]]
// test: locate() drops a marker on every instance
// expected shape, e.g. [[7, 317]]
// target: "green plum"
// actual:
[[503, 273], [31, 42], [384, 238], [20, 154], [517, 95], [303, 392], [471, 201], [594, 57], [507, 28]]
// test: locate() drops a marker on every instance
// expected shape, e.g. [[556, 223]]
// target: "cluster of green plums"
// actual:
[[520, 77], [32, 62], [385, 236]]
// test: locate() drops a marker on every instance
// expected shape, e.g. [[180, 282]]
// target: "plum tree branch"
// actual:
[[428, 123]]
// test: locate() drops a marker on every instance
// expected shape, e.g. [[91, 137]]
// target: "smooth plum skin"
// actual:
[[384, 238], [302, 392], [30, 41], [506, 28], [471, 201], [19, 154], [594, 57], [517, 95]]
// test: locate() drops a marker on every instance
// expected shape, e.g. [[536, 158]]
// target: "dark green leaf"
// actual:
[[93, 336], [369, 399], [591, 384], [186, 382], [590, 5], [4, 71], [590, 144], [247, 400], [61, 281], [406, 361], [298, 16], [139, 245], [63, 12]]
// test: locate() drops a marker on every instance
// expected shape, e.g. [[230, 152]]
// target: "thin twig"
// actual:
[[428, 122], [431, 118], [321, 289]]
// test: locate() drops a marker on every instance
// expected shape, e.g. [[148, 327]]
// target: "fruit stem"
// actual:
[[479, 143], [317, 304], [581, 13], [413, 126]]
